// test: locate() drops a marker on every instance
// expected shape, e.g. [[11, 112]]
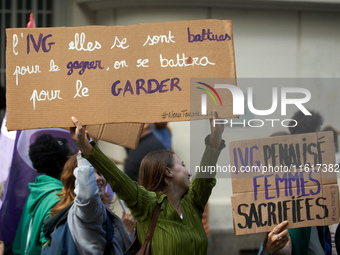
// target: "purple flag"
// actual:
[[20, 174]]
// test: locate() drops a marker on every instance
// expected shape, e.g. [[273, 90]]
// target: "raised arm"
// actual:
[[87, 200], [140, 201], [78, 135], [203, 183], [215, 138], [87, 214], [214, 145]]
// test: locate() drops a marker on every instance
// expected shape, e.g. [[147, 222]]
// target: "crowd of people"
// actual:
[[67, 211]]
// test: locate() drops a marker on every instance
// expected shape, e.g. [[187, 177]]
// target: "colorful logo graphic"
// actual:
[[239, 102], [204, 97]]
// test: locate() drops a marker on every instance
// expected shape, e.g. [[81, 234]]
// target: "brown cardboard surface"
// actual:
[[251, 216], [252, 153], [108, 74], [290, 168], [124, 134]]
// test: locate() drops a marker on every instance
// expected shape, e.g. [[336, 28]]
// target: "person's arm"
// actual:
[[140, 201], [78, 135], [215, 139], [87, 201], [203, 183]]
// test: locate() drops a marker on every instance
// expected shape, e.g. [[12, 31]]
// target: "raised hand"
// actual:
[[216, 133], [277, 239], [80, 137]]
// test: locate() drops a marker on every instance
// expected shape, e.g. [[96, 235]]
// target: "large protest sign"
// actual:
[[106, 74], [289, 178]]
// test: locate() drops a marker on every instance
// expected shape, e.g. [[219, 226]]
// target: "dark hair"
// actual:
[[49, 154], [152, 170], [335, 136], [68, 180], [279, 133], [305, 123]]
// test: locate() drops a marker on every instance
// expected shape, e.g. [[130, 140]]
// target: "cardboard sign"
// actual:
[[289, 178], [107, 74], [123, 134]]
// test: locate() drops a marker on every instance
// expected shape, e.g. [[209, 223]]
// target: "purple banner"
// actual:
[[20, 174]]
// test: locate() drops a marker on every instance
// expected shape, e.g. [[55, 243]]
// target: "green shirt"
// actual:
[[37, 208], [172, 234]]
